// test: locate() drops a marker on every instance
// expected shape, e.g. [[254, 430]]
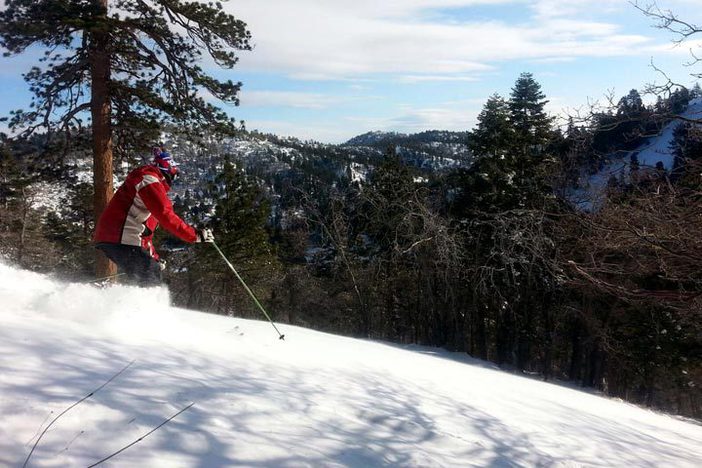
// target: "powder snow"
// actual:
[[314, 399]]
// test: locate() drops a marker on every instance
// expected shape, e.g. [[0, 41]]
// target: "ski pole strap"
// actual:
[[248, 290]]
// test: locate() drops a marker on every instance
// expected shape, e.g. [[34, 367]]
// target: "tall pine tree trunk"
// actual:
[[102, 131]]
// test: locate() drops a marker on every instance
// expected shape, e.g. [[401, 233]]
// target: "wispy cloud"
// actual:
[[454, 115], [414, 120], [458, 116], [427, 78], [561, 8], [329, 132], [302, 100], [335, 39], [687, 48]]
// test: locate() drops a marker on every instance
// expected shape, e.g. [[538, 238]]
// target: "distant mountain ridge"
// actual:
[[267, 154], [274, 159], [285, 166], [376, 138]]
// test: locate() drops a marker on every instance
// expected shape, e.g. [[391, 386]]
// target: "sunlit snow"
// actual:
[[312, 400]]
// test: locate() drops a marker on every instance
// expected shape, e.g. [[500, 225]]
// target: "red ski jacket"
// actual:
[[136, 210]]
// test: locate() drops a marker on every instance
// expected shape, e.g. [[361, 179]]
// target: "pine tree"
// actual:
[[679, 99], [241, 213], [630, 105], [238, 218], [494, 134], [388, 194], [511, 140], [531, 124], [132, 64], [70, 230]]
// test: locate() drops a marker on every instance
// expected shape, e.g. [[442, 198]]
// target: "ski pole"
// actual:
[[253, 296]]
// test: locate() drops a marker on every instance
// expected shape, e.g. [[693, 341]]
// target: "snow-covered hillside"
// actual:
[[654, 150], [311, 400], [659, 147]]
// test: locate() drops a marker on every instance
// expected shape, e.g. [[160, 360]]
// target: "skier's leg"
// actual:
[[137, 265], [126, 257], [149, 271]]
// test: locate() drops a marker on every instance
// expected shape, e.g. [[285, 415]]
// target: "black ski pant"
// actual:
[[137, 265]]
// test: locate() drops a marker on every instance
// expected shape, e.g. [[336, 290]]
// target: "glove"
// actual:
[[205, 235]]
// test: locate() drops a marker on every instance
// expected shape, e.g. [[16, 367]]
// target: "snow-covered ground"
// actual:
[[312, 400]]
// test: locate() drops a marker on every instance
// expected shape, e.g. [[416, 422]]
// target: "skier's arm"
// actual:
[[154, 197], [147, 240]]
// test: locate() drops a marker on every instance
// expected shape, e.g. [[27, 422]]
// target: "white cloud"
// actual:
[[392, 8], [432, 118], [684, 49], [302, 100], [552, 60], [335, 39], [329, 132], [561, 8], [571, 28], [453, 115], [359, 87], [410, 79]]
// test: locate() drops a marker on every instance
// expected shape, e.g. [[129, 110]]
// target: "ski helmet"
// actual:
[[167, 166]]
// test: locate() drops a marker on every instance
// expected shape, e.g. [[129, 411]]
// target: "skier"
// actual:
[[125, 229]]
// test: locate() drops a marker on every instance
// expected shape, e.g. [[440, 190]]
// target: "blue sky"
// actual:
[[331, 69]]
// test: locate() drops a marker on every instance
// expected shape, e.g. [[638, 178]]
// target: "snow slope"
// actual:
[[312, 400], [655, 149], [658, 148]]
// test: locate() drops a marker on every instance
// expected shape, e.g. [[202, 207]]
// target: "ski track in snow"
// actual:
[[312, 400]]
